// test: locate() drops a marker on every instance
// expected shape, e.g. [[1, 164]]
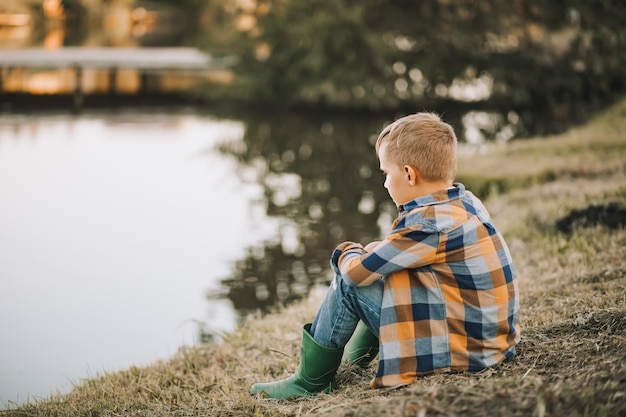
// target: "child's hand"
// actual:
[[370, 246]]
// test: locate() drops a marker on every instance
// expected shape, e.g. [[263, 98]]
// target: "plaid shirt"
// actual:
[[450, 300]]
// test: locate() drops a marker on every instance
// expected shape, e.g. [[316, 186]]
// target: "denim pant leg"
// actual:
[[342, 309]]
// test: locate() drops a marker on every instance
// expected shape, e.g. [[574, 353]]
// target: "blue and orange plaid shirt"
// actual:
[[450, 300]]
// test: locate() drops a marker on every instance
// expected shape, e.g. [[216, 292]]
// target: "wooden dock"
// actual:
[[137, 58], [145, 60]]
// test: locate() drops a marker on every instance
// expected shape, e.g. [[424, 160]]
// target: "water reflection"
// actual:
[[321, 182], [114, 227]]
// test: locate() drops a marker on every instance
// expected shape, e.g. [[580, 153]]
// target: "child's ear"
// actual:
[[411, 174]]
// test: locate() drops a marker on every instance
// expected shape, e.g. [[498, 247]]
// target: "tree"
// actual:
[[565, 57]]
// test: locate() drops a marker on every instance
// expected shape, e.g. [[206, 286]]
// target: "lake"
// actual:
[[114, 227]]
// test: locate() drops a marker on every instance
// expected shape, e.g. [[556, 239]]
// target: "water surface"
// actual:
[[113, 228]]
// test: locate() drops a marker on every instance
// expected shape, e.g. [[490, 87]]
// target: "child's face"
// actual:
[[397, 180]]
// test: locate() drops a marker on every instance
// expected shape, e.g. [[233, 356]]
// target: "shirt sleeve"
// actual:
[[406, 248]]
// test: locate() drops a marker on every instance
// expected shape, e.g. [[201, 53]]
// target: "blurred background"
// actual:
[[151, 200]]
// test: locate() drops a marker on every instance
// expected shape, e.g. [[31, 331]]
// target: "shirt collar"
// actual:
[[454, 193]]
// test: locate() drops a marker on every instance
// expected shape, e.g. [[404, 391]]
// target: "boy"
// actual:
[[438, 294]]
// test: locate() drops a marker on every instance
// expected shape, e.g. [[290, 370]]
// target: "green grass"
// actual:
[[593, 151], [572, 356]]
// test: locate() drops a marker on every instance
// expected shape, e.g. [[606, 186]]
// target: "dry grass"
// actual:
[[572, 357]]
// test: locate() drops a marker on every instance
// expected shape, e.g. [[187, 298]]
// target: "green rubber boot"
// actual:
[[315, 374], [362, 347]]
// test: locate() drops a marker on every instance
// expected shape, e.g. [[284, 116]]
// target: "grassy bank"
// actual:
[[551, 198]]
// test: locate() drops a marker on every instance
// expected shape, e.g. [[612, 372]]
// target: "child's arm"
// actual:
[[403, 249]]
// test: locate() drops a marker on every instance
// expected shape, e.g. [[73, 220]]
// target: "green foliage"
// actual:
[[558, 60], [317, 58]]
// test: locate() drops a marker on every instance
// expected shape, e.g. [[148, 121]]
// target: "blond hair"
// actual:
[[423, 141]]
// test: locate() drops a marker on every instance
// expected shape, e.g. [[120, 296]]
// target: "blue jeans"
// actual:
[[342, 309]]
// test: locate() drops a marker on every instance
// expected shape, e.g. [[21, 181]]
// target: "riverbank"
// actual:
[[559, 201]]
